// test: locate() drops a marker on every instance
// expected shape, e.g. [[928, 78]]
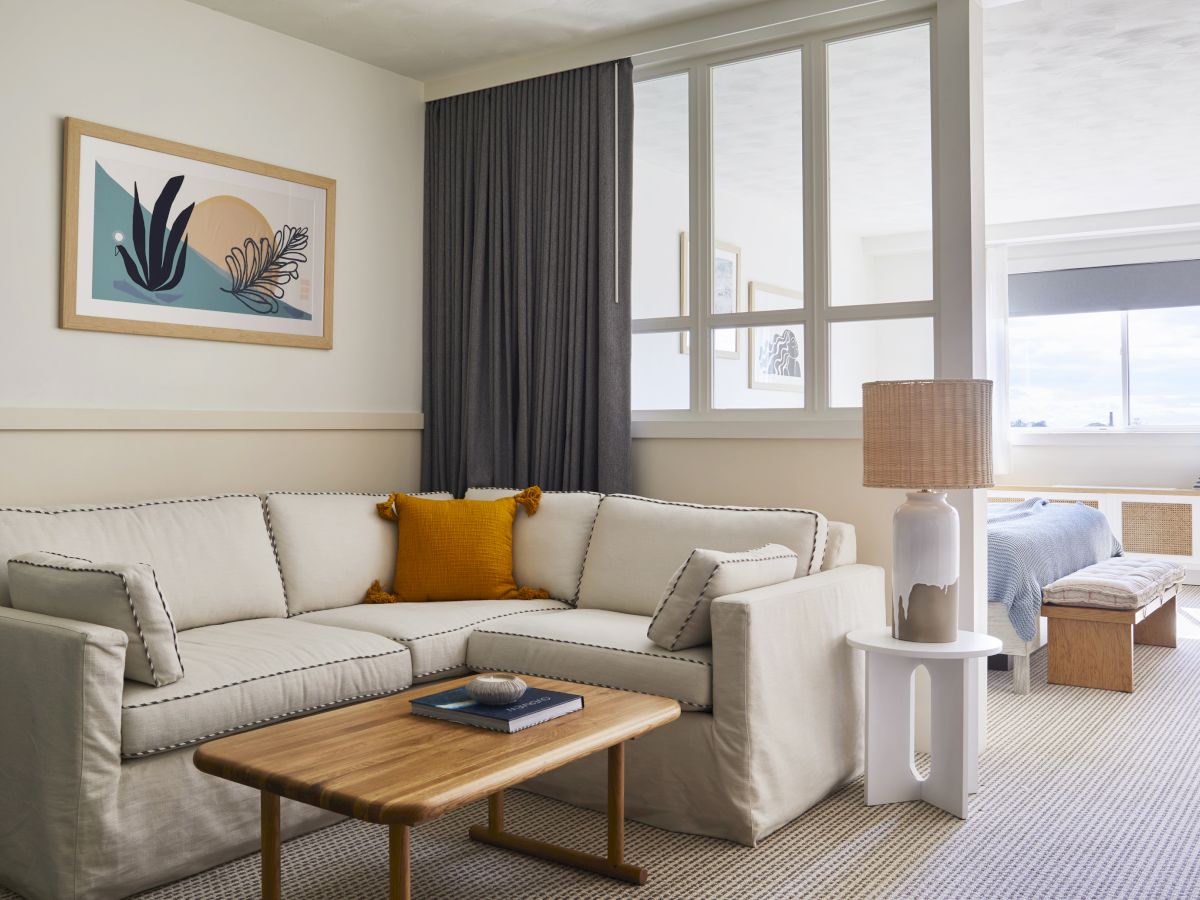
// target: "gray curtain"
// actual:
[[526, 305]]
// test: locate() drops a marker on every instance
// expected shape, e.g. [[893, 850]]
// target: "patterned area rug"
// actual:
[[1083, 794]]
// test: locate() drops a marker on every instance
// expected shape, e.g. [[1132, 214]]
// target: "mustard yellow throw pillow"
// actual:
[[455, 549]]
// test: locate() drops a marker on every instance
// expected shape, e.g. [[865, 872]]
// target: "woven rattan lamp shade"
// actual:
[[933, 435]]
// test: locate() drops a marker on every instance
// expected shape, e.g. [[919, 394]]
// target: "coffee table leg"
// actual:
[[270, 846], [616, 804], [399, 865], [612, 864]]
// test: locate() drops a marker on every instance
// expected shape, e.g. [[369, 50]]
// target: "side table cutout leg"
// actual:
[[951, 709], [890, 738]]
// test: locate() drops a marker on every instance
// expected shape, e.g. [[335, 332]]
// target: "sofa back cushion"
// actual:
[[841, 549], [637, 545], [548, 548], [212, 555], [332, 546]]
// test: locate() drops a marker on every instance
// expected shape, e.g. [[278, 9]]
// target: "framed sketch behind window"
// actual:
[[776, 351], [727, 295]]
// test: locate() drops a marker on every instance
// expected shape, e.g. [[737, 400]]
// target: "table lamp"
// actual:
[[928, 437]]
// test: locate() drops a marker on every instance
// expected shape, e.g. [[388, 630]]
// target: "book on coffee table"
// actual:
[[535, 707]]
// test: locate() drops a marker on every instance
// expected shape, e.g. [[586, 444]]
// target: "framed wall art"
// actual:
[[168, 239], [727, 294], [776, 351]]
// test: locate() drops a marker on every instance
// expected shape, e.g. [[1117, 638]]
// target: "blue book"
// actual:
[[535, 707]]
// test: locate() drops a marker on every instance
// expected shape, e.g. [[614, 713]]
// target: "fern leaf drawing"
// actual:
[[260, 270]]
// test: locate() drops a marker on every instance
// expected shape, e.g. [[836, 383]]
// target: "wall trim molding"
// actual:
[[15, 418]]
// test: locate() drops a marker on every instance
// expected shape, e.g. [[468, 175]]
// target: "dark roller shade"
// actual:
[[1105, 288]]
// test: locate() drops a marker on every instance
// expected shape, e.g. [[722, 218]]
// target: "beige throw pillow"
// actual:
[[682, 618], [124, 596]]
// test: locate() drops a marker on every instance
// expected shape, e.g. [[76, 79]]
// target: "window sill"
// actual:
[[811, 428], [1044, 437]]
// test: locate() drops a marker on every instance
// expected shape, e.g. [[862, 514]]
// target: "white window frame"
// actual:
[[1099, 240], [817, 418]]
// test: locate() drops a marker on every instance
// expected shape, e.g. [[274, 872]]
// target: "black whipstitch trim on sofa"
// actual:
[[538, 637], [257, 722], [708, 581], [694, 706], [265, 502], [129, 597], [219, 687], [123, 506], [820, 535]]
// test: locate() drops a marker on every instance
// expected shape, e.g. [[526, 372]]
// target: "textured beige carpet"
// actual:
[[1084, 794]]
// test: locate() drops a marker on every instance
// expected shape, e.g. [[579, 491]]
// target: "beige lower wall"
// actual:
[[825, 475], [48, 468]]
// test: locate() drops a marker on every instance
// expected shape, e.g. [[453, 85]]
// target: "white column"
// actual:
[[958, 257]]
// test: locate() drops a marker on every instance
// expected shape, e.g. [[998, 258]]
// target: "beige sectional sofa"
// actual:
[[98, 795]]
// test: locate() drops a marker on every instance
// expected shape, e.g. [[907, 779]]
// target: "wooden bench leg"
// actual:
[[1158, 628], [1091, 654]]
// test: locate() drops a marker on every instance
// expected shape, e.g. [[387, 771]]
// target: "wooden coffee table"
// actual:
[[377, 762]]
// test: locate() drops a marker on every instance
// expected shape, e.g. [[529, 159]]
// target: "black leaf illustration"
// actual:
[[159, 266], [260, 270]]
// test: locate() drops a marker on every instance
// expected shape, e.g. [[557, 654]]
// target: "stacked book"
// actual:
[[535, 707]]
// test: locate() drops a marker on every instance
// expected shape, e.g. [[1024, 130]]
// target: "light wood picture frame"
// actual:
[[727, 292], [776, 358], [163, 238]]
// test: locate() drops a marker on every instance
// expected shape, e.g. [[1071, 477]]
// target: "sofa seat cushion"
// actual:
[[594, 646], [245, 674], [435, 632]]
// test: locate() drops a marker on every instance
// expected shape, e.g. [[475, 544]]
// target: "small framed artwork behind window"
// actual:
[[776, 351], [727, 294]]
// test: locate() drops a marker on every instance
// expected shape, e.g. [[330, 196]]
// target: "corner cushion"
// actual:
[[241, 675], [594, 646], [435, 631]]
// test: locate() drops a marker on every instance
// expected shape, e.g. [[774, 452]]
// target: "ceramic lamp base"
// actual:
[[925, 569]]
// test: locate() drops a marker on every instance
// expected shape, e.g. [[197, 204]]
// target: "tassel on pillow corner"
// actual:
[[454, 549]]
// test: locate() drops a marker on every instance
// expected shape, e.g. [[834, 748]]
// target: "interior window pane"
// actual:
[[661, 376], [758, 368], [880, 168], [660, 194], [1164, 367], [758, 178], [1065, 371], [876, 350]]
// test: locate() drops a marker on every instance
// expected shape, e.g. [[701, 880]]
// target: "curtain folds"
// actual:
[[527, 284]]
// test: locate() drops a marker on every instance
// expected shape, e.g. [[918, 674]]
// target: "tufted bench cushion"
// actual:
[[1123, 582]]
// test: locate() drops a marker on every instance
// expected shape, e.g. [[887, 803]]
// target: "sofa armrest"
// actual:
[[788, 692], [60, 751]]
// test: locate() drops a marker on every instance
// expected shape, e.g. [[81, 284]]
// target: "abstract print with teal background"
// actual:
[[219, 254]]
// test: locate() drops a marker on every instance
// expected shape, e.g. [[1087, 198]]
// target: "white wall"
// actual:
[[175, 70]]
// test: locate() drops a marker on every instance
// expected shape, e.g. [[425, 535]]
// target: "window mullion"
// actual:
[[816, 227], [701, 251], [1126, 416]]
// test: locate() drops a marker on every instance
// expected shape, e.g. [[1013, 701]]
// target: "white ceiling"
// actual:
[[1091, 106], [427, 39]]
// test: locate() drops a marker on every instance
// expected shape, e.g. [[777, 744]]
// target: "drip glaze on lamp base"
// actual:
[[925, 569]]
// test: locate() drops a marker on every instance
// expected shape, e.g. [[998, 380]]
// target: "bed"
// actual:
[[1031, 544]]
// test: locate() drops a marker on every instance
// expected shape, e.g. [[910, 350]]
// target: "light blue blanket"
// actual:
[[1035, 542]]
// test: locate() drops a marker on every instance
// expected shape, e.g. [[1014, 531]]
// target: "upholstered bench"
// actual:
[[1097, 614]]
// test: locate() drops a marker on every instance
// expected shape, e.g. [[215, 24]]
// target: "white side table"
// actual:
[[954, 742]]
